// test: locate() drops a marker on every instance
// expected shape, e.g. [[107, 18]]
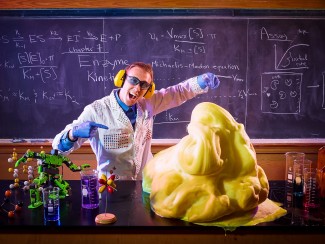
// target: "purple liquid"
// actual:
[[89, 192]]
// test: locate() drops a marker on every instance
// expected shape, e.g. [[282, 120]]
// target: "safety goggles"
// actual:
[[135, 81]]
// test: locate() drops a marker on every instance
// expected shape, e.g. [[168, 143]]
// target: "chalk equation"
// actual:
[[36, 96], [34, 66], [24, 40], [188, 41]]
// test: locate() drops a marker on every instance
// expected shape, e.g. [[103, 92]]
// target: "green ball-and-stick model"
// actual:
[[48, 173]]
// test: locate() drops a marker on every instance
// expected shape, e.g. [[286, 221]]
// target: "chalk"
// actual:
[[38, 140], [18, 140]]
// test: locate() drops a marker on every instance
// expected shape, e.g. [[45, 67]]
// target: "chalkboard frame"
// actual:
[[128, 12]]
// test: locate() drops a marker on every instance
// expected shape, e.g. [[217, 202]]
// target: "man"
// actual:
[[119, 126]]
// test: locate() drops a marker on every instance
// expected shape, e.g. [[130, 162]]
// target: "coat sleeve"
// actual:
[[176, 95], [86, 115]]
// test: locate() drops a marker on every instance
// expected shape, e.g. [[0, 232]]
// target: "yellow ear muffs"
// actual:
[[150, 91], [119, 78]]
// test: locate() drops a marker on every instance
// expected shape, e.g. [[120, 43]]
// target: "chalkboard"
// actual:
[[272, 69]]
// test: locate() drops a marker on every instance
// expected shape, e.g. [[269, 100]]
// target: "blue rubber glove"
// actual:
[[87, 129], [208, 80], [65, 143]]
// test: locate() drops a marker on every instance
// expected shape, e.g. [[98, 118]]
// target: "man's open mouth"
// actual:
[[131, 96]]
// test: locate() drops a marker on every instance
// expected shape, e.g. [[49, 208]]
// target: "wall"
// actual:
[[270, 155]]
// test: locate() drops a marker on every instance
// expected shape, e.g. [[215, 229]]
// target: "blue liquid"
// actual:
[[298, 187], [52, 211], [89, 192]]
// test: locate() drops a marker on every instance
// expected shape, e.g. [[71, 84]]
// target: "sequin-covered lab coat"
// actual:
[[122, 146]]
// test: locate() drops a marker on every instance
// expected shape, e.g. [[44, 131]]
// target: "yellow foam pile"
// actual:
[[211, 176]]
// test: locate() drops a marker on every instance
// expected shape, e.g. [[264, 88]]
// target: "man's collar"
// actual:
[[122, 104]]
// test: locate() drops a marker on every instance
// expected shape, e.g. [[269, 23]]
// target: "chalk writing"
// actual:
[[36, 96], [265, 35], [189, 41], [281, 93], [294, 58], [87, 60], [281, 90], [271, 70]]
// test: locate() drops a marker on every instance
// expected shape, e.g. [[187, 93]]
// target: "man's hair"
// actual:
[[144, 66]]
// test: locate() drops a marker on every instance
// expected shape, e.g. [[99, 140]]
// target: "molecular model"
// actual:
[[48, 173], [8, 207], [26, 169]]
